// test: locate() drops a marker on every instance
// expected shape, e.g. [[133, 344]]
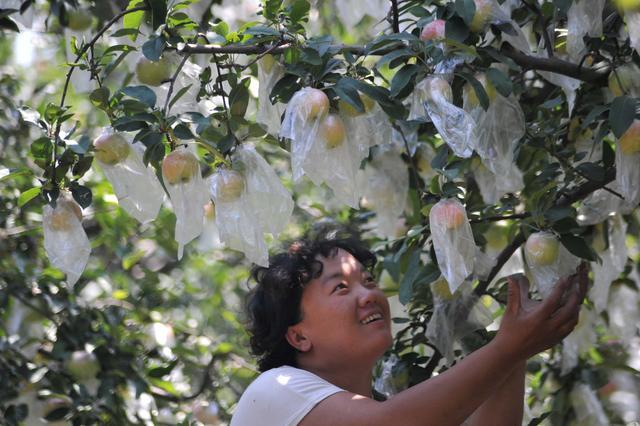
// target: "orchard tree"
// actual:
[[152, 150]]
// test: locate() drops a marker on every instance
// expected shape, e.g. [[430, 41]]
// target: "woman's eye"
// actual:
[[340, 286]]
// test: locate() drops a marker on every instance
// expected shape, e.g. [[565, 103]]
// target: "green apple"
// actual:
[[79, 19], [82, 365], [332, 131], [111, 148], [230, 185], [542, 248], [179, 167], [316, 102], [482, 15], [153, 73]]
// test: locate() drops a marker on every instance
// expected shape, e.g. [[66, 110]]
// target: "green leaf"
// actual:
[[158, 12], [456, 29], [28, 195], [622, 114], [42, 148], [348, 93], [578, 247], [132, 21], [239, 98], [592, 171], [402, 79], [142, 93], [501, 81], [299, 11], [100, 97], [466, 9], [481, 94], [555, 214], [9, 24], [152, 48], [14, 173], [395, 54], [82, 166], [179, 94], [409, 278], [271, 8], [82, 195]]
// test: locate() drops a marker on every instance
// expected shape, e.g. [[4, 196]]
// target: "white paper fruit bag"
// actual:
[[269, 72], [548, 261], [387, 185], [455, 315], [614, 259], [250, 201], [136, 185], [455, 125], [188, 194], [452, 241], [65, 241], [583, 18], [320, 146]]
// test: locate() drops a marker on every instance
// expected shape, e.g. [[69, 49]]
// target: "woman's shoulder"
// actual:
[[281, 393]]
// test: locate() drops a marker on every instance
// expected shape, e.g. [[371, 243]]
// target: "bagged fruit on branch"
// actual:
[[386, 188], [423, 155], [320, 146], [613, 260], [238, 225], [625, 80], [452, 241], [65, 241], [598, 206], [136, 185], [250, 201], [627, 170], [188, 193], [632, 20], [155, 73], [548, 261], [393, 378], [366, 129], [455, 125], [579, 341], [499, 128], [351, 12], [584, 17], [188, 79], [587, 406], [487, 12], [269, 72], [210, 237], [624, 315], [455, 315], [493, 187]]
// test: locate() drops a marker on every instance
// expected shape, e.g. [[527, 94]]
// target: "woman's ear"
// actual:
[[298, 339]]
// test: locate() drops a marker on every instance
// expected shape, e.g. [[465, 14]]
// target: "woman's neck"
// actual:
[[350, 377]]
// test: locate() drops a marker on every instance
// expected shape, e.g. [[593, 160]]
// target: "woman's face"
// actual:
[[345, 315]]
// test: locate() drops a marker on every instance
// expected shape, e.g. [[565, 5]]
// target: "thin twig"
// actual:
[[412, 166], [206, 381], [165, 110], [499, 218], [394, 14]]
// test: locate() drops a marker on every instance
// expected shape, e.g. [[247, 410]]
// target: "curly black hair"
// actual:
[[274, 303]]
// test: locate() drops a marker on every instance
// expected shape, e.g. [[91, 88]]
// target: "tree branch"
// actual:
[[394, 13]]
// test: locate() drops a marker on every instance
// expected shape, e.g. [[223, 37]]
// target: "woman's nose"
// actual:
[[367, 294]]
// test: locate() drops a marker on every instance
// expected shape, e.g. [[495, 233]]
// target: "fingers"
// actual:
[[513, 297], [583, 279], [554, 300]]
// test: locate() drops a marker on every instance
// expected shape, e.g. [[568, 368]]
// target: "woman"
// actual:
[[319, 323]]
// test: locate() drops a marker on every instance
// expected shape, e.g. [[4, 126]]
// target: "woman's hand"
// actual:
[[529, 327]]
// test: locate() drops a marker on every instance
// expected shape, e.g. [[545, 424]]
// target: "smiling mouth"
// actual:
[[371, 318]]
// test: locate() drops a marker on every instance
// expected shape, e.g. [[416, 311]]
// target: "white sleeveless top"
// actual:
[[281, 397]]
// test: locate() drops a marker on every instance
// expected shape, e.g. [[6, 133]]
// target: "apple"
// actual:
[[482, 15], [496, 237], [152, 73], [624, 79], [349, 110], [630, 140], [210, 210], [267, 62], [434, 30], [423, 161], [332, 131], [230, 185], [439, 87], [628, 4], [441, 289], [206, 412], [111, 148], [470, 92], [82, 365], [542, 248], [79, 19], [179, 166], [316, 102], [448, 213], [62, 215]]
